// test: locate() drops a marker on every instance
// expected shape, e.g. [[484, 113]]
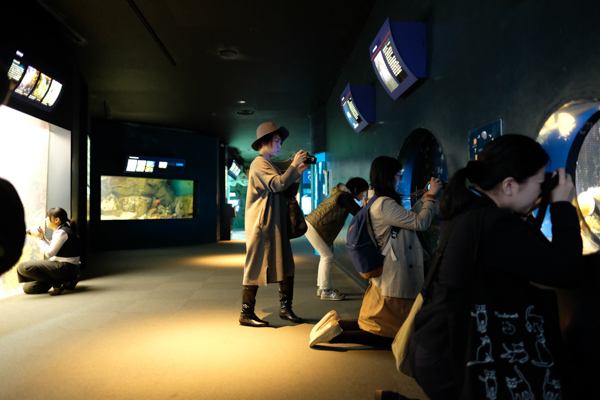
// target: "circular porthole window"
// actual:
[[422, 158]]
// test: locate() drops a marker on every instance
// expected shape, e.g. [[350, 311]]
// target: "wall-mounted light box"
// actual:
[[358, 105], [398, 54]]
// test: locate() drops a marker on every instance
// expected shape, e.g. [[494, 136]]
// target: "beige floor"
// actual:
[[162, 324]]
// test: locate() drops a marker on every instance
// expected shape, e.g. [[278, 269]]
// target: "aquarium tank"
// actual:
[[129, 198]]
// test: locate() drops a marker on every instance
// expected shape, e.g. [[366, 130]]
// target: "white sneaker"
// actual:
[[327, 332], [319, 291], [331, 315], [332, 294]]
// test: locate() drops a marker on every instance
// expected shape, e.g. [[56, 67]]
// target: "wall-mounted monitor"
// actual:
[[158, 166], [129, 198], [398, 54], [234, 170], [479, 137], [34, 83], [358, 105]]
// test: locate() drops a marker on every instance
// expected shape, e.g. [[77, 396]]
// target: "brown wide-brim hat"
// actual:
[[267, 128]]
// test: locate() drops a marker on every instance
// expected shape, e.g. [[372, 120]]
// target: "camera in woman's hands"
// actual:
[[310, 159], [35, 231]]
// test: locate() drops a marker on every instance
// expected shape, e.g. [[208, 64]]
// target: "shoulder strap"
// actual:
[[476, 229], [369, 226]]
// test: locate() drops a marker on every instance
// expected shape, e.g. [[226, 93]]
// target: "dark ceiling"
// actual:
[[189, 64]]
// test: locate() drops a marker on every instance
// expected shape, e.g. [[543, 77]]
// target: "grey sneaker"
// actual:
[[332, 294]]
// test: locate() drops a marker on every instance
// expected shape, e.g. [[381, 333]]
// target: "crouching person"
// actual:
[[61, 269]]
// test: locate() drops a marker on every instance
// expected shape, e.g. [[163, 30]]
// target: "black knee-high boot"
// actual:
[[286, 295], [248, 317]]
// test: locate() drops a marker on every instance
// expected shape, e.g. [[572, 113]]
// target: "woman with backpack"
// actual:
[[325, 223], [390, 296]]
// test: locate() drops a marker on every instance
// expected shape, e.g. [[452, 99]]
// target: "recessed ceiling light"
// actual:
[[228, 53]]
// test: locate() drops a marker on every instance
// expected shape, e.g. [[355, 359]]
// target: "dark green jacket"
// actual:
[[329, 217]]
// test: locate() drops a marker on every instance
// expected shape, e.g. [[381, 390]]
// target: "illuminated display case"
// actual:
[[131, 198], [398, 55], [571, 136], [358, 105]]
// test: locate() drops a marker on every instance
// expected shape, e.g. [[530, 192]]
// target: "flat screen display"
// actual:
[[351, 113], [234, 170], [162, 166], [130, 198], [398, 55], [34, 84]]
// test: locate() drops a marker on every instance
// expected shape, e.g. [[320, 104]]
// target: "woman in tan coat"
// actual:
[[269, 256]]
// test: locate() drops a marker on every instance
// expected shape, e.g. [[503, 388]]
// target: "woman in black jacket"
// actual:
[[506, 180]]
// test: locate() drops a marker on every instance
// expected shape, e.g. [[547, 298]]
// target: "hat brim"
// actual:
[[283, 134]]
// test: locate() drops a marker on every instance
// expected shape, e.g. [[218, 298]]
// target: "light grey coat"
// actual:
[[403, 267], [268, 251]]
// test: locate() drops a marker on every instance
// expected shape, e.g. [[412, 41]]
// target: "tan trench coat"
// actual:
[[268, 251], [390, 297]]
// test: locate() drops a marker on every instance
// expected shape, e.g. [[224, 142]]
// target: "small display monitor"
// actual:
[[35, 83], [358, 105], [398, 55], [162, 166], [479, 137], [234, 170]]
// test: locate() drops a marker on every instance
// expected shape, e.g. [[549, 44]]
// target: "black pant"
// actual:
[[351, 333], [43, 275], [433, 373]]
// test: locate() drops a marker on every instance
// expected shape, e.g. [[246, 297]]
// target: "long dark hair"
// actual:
[[382, 175], [516, 156], [58, 212], [357, 185]]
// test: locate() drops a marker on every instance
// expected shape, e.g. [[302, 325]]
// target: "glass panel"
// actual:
[[145, 198], [587, 179]]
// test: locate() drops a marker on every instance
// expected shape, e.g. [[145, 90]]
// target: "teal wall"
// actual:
[[518, 61]]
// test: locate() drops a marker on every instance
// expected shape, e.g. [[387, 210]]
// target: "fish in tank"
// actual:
[[128, 198]]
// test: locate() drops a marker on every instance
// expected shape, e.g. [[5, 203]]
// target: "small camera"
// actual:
[[34, 231], [310, 159]]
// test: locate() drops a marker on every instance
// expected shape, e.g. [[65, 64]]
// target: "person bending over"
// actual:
[[325, 223]]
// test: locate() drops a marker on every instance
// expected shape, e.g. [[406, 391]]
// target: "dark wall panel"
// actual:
[[111, 142]]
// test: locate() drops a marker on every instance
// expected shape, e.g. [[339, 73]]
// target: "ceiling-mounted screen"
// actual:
[[398, 55], [358, 105], [159, 166], [35, 83]]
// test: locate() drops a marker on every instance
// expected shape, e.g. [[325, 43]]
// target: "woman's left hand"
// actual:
[[435, 185]]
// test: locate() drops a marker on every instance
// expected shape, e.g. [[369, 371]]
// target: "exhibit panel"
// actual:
[[35, 158], [571, 136], [422, 158]]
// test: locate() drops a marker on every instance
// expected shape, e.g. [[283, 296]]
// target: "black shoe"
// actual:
[[58, 290], [288, 315], [70, 285], [252, 320]]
